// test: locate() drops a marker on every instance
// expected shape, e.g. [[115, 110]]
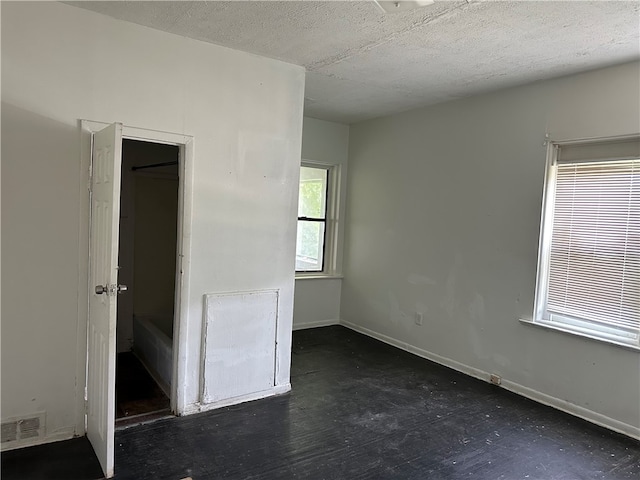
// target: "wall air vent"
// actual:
[[20, 431], [29, 427], [9, 432]]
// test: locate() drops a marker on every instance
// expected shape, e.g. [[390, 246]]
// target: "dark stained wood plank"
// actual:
[[361, 409]]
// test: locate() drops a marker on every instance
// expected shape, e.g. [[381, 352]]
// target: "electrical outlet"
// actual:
[[495, 379], [418, 318]]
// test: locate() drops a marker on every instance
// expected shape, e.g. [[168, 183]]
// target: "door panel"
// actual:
[[103, 274]]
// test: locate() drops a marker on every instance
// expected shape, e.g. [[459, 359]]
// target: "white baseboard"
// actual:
[[204, 407], [573, 409], [62, 434], [319, 323], [567, 407]]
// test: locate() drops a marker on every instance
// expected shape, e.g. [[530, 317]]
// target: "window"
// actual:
[[312, 219], [589, 265]]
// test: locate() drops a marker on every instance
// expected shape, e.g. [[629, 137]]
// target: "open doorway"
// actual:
[[102, 146], [149, 203]]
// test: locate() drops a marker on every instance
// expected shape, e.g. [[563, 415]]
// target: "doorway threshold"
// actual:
[[148, 417]]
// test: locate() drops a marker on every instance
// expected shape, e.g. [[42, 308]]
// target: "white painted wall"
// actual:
[[317, 300], [443, 219], [61, 64]]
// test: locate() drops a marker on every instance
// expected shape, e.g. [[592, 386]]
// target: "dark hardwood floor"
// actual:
[[359, 409], [69, 460]]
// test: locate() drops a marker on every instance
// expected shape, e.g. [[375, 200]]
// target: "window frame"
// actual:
[[581, 327], [329, 256]]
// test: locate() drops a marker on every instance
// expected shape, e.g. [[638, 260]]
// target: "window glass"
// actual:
[[312, 218], [313, 192], [310, 246]]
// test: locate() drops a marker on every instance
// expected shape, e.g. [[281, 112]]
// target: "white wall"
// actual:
[[61, 64], [317, 300], [443, 219]]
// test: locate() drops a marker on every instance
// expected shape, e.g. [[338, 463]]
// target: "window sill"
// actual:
[[317, 276], [579, 333]]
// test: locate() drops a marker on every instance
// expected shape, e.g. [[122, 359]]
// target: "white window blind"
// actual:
[[592, 251]]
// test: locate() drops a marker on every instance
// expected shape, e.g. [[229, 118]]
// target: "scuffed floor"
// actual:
[[360, 409]]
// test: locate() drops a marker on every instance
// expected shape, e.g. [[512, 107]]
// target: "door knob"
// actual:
[[122, 288], [100, 289]]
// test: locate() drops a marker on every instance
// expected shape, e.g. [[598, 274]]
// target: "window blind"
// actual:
[[594, 260]]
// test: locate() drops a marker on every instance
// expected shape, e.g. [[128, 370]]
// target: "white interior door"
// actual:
[[103, 290]]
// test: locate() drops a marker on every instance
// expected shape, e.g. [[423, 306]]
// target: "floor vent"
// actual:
[[22, 430]]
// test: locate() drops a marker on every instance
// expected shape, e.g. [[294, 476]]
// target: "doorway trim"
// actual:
[[185, 143]]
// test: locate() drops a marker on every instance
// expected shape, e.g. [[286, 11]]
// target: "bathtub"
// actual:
[[153, 344]]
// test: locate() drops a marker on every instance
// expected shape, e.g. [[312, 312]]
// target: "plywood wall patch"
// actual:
[[239, 349]]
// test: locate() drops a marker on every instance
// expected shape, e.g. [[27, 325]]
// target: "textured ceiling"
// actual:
[[362, 63]]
